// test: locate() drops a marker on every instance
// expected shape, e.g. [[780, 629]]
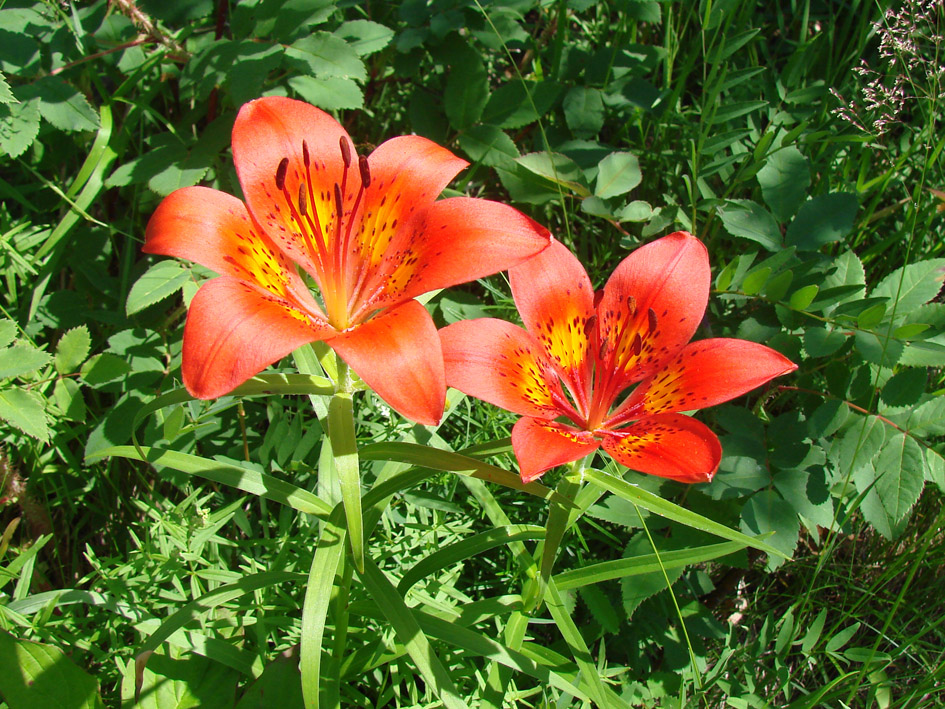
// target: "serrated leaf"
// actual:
[[749, 220], [822, 220], [34, 674], [489, 145], [584, 111], [820, 342], [61, 104], [24, 410], [7, 331], [6, 95], [784, 180], [21, 359], [896, 485], [325, 55], [160, 281], [636, 589], [766, 512], [364, 36], [928, 419], [72, 349], [617, 174], [467, 90], [859, 445], [332, 93], [877, 348], [103, 369], [601, 607], [67, 396], [905, 388], [912, 286], [19, 125]]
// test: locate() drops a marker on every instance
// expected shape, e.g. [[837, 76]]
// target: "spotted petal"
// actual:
[[542, 445], [668, 445], [652, 305], [215, 230], [705, 373], [235, 330], [556, 301], [398, 355], [498, 362]]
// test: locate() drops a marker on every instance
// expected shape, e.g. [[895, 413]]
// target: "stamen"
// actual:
[[365, 172], [280, 173], [338, 205], [589, 325], [632, 304], [345, 151], [652, 319], [303, 200], [305, 158], [637, 345]]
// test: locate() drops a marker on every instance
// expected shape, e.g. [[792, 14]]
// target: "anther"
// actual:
[[365, 172], [303, 199], [632, 304], [637, 345], [589, 325], [652, 317], [280, 173], [345, 151], [338, 206], [305, 158]]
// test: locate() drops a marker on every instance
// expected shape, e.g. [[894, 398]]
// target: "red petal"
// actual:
[[705, 373], [234, 331], [398, 355], [215, 230], [542, 445], [669, 445], [556, 301], [652, 305], [455, 241], [271, 129], [496, 361]]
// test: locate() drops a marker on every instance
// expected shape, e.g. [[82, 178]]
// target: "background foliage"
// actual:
[[612, 123]]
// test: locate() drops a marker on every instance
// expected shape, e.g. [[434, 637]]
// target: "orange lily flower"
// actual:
[[581, 351], [367, 230]]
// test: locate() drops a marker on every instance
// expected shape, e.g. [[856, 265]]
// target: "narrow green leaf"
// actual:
[[409, 633], [664, 508], [344, 446], [729, 111]]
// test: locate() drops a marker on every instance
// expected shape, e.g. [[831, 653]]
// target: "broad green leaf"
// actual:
[[364, 36], [323, 55], [657, 505], [871, 316], [36, 675], [584, 111], [767, 512], [24, 410], [806, 494], [803, 297], [636, 211], [184, 681], [912, 286], [859, 445], [822, 220], [636, 589], [19, 126], [21, 359], [330, 93], [877, 348], [784, 180], [467, 90], [72, 349], [601, 607], [489, 145], [279, 685], [821, 342], [617, 174], [749, 220], [755, 281], [928, 419], [8, 331], [67, 397], [104, 368], [61, 104], [519, 103], [557, 168], [895, 486]]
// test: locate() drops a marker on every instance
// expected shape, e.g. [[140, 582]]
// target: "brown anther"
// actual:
[[303, 199], [637, 345], [345, 151], [338, 205], [365, 171], [280, 173], [598, 297], [589, 325], [305, 158], [632, 304], [652, 318]]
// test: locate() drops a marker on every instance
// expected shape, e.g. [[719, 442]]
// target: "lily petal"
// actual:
[[398, 355], [216, 230], [498, 362], [542, 445], [668, 445], [234, 331], [652, 305], [454, 241], [295, 204], [556, 301], [705, 373]]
